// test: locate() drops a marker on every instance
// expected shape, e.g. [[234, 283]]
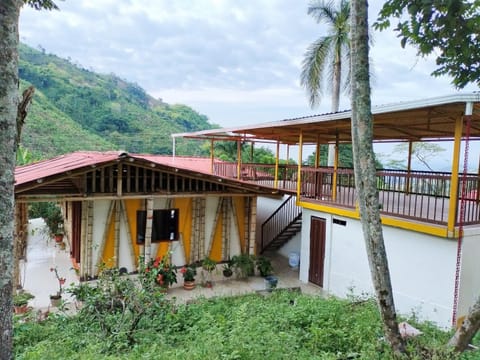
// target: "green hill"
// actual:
[[77, 109]]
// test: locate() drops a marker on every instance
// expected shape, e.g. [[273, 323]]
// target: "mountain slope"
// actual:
[[77, 109]]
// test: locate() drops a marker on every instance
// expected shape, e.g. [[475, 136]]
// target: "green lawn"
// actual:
[[282, 325]]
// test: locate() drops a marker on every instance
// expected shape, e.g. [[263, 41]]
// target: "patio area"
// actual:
[[43, 254]]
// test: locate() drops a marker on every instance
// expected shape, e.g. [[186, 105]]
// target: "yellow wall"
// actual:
[[185, 230], [185, 223], [239, 204]]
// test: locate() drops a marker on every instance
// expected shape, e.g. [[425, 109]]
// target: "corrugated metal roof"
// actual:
[[81, 159], [199, 164], [62, 164]]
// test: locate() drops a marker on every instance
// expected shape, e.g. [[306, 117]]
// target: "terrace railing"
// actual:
[[417, 195]]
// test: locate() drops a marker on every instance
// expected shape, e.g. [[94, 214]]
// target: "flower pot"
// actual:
[[189, 285], [270, 282], [55, 300], [20, 309], [58, 238], [227, 272]]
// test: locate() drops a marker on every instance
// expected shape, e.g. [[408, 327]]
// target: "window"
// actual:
[[164, 225]]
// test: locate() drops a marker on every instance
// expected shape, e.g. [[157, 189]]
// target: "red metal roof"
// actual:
[[81, 159]]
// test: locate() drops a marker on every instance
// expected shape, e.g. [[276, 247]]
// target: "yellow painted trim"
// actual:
[[212, 156], [184, 206], [388, 221], [329, 209], [239, 203], [452, 206], [335, 169], [108, 252], [415, 226], [299, 171], [275, 183], [239, 159]]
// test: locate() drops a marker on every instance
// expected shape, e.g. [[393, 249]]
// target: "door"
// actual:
[[317, 250], [76, 234]]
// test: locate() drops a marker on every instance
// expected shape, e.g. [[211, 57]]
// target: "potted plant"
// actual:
[[264, 266], [20, 302], [159, 271], [189, 272], [56, 298], [228, 269], [244, 265], [209, 265]]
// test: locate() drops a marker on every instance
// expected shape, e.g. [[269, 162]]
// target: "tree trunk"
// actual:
[[9, 12], [365, 173], [337, 80], [464, 334]]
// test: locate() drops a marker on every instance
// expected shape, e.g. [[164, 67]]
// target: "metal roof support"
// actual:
[[335, 169], [277, 155], [452, 212], [239, 159], [211, 156], [300, 155], [409, 166]]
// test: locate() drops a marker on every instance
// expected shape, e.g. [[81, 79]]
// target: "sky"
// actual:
[[237, 62]]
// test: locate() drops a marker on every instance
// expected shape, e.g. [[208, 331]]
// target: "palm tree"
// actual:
[[327, 55]]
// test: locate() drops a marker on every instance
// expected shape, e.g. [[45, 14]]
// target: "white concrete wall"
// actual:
[[469, 286], [266, 206], [422, 267]]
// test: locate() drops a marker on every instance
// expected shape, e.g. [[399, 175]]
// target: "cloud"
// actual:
[[218, 55]]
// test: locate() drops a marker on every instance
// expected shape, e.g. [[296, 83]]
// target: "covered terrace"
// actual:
[[426, 201]]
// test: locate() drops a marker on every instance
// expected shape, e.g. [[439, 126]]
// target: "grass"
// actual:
[[283, 325]]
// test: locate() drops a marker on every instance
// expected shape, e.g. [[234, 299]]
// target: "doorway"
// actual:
[[317, 250]]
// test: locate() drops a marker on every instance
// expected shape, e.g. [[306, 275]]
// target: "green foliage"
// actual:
[[422, 151], [41, 4], [264, 266], [81, 291], [21, 298], [51, 214], [244, 265], [209, 264], [283, 325], [345, 157], [158, 271], [448, 29], [323, 59], [189, 272], [77, 109]]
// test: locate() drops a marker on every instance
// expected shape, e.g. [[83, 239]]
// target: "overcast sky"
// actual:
[[238, 62]]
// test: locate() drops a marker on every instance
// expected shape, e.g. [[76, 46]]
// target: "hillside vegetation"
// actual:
[[78, 109]]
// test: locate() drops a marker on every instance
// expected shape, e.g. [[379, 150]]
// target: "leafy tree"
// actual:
[[451, 30], [447, 28], [422, 151], [329, 53], [365, 179]]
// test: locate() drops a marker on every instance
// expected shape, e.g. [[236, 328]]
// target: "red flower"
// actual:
[[183, 270], [61, 281]]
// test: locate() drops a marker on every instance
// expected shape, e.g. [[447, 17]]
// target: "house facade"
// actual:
[[431, 219], [120, 209]]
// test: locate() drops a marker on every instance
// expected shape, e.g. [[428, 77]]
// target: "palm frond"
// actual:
[[322, 11], [313, 67]]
